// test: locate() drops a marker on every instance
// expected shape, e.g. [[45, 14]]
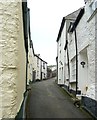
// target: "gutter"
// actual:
[[68, 66], [26, 69]]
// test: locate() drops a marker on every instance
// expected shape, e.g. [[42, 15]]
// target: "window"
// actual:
[[92, 9], [37, 73], [43, 65], [73, 69], [37, 62]]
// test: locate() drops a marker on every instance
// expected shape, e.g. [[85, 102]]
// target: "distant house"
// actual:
[[44, 70], [41, 68], [52, 67], [52, 71]]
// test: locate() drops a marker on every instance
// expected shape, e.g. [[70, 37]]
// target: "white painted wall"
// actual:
[[44, 70], [72, 62], [12, 59], [61, 56], [86, 40], [38, 67]]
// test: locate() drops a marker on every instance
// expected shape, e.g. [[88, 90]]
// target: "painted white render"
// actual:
[[61, 57], [52, 67], [41, 68], [12, 59], [29, 75], [86, 48], [85, 32], [38, 68], [61, 53], [72, 61], [44, 70]]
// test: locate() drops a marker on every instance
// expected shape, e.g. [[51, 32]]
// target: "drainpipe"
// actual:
[[66, 47], [76, 61], [68, 67], [26, 69]]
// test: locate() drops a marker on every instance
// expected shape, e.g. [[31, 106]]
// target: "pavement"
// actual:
[[47, 100]]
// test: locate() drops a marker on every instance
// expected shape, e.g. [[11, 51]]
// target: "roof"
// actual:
[[77, 20], [61, 28], [72, 17], [40, 58]]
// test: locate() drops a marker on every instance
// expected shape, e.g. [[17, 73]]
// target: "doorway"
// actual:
[[83, 71]]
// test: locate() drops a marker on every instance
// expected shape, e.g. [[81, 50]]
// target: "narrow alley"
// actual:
[[47, 100]]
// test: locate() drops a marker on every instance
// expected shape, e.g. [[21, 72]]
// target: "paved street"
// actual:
[[47, 100]]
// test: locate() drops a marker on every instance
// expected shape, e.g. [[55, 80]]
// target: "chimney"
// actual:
[[85, 1]]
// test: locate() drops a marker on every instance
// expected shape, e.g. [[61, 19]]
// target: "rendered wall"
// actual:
[[86, 40], [12, 59], [61, 56]]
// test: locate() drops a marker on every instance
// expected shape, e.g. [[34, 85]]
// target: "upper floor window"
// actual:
[[43, 65], [37, 62], [92, 8], [73, 68]]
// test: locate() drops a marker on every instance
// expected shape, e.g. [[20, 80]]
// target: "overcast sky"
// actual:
[[46, 17]]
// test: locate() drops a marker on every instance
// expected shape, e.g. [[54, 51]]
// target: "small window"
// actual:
[[92, 8], [37, 62], [73, 68], [43, 65]]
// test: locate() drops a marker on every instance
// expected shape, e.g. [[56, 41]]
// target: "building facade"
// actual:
[[62, 57], [13, 58], [41, 68], [80, 55]]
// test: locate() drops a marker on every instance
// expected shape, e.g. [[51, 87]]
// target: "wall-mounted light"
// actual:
[[83, 64]]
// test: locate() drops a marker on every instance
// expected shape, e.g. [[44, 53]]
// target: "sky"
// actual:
[[45, 21]]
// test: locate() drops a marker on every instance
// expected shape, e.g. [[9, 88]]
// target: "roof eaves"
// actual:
[[77, 20], [61, 28], [40, 58]]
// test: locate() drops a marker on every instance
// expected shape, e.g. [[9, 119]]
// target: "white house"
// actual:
[[52, 67], [80, 55], [44, 70], [83, 33], [40, 67], [62, 59]]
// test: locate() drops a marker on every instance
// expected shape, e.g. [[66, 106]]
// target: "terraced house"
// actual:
[[40, 68], [78, 39]]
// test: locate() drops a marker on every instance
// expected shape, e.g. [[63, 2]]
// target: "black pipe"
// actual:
[[68, 66], [76, 61], [26, 69]]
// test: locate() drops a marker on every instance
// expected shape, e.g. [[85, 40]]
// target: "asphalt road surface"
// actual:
[[47, 100]]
